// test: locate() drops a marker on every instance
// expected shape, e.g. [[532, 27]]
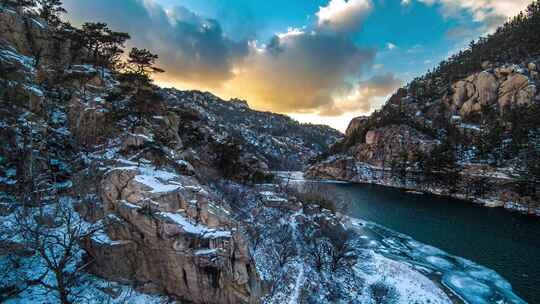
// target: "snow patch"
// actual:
[[197, 229]]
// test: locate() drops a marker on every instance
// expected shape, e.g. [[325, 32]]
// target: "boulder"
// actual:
[[475, 91], [506, 70], [372, 137], [487, 87], [469, 107], [516, 90], [134, 141], [535, 76], [463, 91], [506, 87]]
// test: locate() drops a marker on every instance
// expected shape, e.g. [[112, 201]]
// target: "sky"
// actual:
[[319, 61]]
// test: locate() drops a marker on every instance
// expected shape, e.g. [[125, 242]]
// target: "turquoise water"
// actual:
[[506, 242]]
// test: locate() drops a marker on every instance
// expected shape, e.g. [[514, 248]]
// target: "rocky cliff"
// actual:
[[475, 138], [140, 176]]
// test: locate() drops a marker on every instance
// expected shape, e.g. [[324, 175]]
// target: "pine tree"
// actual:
[[19, 4], [440, 167], [113, 48], [140, 66], [490, 142], [50, 11], [104, 45], [92, 35], [528, 175]]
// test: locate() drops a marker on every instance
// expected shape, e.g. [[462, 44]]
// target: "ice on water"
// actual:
[[467, 280]]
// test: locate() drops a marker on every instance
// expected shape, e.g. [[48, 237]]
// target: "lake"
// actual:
[[506, 242]]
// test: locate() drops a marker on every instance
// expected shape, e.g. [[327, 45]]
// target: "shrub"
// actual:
[[318, 194], [383, 294]]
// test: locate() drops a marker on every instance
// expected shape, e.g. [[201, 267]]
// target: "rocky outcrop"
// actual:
[[391, 142], [516, 90], [89, 121], [439, 145], [354, 124], [25, 33], [18, 84], [505, 87], [166, 234], [31, 36], [335, 168]]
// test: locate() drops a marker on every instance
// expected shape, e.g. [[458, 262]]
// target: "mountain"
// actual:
[[105, 177], [469, 129], [114, 190], [281, 142]]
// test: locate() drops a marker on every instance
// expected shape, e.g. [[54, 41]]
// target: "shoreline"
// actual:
[[482, 202]]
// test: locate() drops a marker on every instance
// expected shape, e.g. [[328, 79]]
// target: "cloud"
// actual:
[[490, 12], [363, 96], [191, 48], [300, 72], [341, 16], [390, 46], [461, 32]]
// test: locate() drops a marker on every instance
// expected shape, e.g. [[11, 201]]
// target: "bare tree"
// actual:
[[285, 247], [341, 248], [318, 249], [51, 236]]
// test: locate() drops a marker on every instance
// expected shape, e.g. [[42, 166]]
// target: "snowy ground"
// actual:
[[390, 268]]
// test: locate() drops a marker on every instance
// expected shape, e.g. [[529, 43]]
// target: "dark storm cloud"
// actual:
[[191, 48]]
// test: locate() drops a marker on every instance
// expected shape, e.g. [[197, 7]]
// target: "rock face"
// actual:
[[30, 37], [14, 30], [18, 81], [516, 90], [166, 234], [354, 124], [165, 230], [387, 143], [334, 168], [506, 87], [89, 122]]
